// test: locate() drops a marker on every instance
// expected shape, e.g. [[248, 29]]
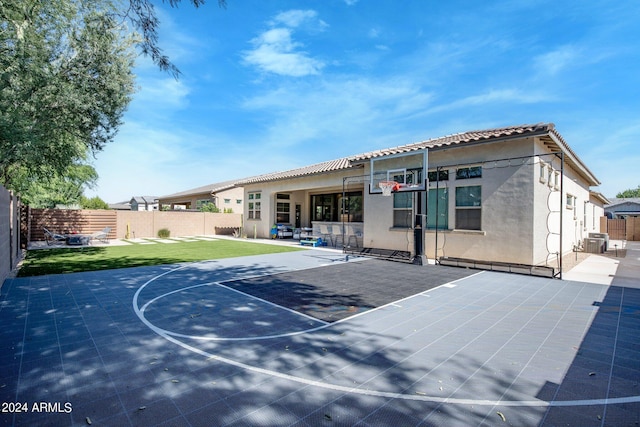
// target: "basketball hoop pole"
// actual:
[[419, 230]]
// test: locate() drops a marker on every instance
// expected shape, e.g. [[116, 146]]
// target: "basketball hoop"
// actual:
[[388, 187]]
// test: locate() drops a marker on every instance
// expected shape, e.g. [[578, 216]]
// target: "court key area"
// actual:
[[314, 338]]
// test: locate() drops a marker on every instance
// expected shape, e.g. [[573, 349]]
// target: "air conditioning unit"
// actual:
[[604, 236], [593, 245]]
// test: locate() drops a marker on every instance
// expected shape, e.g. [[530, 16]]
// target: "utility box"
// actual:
[[593, 245], [604, 236]]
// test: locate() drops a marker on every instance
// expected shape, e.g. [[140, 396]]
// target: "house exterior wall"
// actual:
[[521, 204], [231, 199], [300, 190], [507, 207], [225, 199]]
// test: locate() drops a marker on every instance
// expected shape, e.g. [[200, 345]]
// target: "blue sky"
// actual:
[[274, 85]]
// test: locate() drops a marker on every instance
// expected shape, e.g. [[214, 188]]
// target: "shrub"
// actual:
[[163, 233]]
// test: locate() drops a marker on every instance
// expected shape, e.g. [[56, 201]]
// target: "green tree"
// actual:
[[209, 207], [65, 188], [142, 15], [629, 193], [65, 81], [93, 203]]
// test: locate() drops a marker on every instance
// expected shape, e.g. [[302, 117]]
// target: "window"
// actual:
[[238, 201], [323, 206], [283, 208], [200, 203], [352, 207], [468, 207], [556, 180], [402, 210], [254, 206], [282, 212], [550, 176], [227, 201], [468, 173], [439, 197], [571, 201], [441, 175], [329, 207], [543, 172]]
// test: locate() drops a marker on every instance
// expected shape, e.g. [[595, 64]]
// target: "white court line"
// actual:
[[357, 390], [261, 337]]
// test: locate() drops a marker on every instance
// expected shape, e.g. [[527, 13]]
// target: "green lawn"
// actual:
[[72, 260]]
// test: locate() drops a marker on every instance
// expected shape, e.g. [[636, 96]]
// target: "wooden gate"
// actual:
[[617, 229]]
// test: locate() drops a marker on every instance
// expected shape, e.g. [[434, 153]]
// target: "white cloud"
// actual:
[[172, 93], [275, 51], [557, 60], [351, 110], [294, 18], [493, 96]]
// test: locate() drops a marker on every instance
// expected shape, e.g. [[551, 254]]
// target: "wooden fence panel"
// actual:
[[139, 223], [617, 229], [633, 228], [66, 221]]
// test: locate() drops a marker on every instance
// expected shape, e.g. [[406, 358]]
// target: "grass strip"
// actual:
[[91, 258]]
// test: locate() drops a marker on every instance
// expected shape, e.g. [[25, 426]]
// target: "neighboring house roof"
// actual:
[[145, 199], [123, 206], [546, 131], [629, 205], [617, 201], [209, 189]]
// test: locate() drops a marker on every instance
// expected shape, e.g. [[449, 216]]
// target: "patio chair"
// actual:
[[349, 235], [53, 238], [326, 233], [100, 235]]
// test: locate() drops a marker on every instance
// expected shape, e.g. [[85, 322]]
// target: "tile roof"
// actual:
[[556, 141], [329, 166], [475, 136], [210, 188]]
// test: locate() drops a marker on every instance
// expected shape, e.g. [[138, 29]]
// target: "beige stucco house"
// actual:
[[516, 195], [226, 196]]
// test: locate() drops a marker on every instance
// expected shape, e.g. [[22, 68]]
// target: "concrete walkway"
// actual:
[[607, 270]]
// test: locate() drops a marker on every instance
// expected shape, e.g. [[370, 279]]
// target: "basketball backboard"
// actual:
[[409, 170]]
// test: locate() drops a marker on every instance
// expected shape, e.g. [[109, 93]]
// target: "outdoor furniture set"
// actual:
[[73, 239]]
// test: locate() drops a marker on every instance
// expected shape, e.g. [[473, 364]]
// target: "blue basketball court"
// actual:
[[312, 338]]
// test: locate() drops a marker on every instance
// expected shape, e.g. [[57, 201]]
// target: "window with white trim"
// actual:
[[543, 172], [283, 208], [402, 209], [255, 205], [469, 207]]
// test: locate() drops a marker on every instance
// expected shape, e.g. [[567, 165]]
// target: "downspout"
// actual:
[[437, 210], [561, 209]]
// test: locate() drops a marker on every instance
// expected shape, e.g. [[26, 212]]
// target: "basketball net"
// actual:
[[388, 187]]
